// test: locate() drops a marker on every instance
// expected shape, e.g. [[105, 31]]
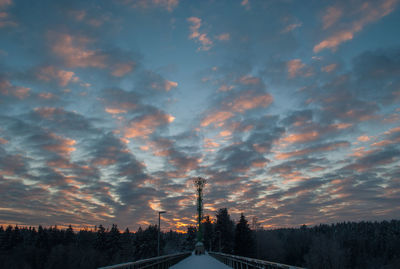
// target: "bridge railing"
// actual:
[[161, 262], [239, 262]]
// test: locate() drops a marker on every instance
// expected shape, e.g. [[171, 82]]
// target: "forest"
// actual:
[[340, 245]]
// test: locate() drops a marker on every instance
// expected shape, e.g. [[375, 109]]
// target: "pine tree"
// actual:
[[244, 241], [224, 229], [208, 232]]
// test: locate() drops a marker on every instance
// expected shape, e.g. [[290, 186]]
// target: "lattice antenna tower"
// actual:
[[199, 183]]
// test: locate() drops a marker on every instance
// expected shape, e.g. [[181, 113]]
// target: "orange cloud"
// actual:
[[369, 13], [247, 102], [334, 41], [63, 146], [115, 110], [225, 133], [294, 67], [7, 89], [224, 37], [225, 88], [217, 118], [342, 125], [46, 95], [393, 130], [259, 164], [62, 76], [121, 69], [291, 27], [361, 152], [209, 143], [168, 85], [249, 80], [246, 4], [301, 137], [61, 164], [330, 147], [363, 138], [47, 112], [147, 124], [331, 16], [104, 161], [195, 33], [73, 50], [3, 141], [329, 68]]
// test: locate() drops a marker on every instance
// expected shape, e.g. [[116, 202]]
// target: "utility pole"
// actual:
[[158, 238]]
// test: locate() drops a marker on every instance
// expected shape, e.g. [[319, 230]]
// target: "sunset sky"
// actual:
[[290, 109]]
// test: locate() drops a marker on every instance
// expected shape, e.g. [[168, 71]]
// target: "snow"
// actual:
[[200, 262]]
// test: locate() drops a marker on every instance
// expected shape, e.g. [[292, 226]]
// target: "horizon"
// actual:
[[93, 228], [108, 109]]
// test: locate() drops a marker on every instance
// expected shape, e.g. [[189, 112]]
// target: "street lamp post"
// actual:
[[158, 237]]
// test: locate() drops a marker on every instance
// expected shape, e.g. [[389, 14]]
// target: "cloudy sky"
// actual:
[[290, 109]]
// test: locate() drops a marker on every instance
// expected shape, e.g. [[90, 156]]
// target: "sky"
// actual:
[[108, 109]]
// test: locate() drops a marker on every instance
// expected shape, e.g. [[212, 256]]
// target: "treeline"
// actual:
[[30, 248], [342, 245]]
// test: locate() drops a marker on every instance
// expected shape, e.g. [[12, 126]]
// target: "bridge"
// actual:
[[202, 259], [210, 260]]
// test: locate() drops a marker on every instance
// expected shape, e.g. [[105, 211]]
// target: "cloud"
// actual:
[[331, 16], [60, 145], [73, 50], [216, 118], [4, 3], [145, 125], [7, 89], [249, 101], [329, 68], [296, 67], [168, 85], [374, 159], [5, 20], [368, 12], [245, 3], [224, 37], [363, 138], [291, 27], [201, 37], [169, 5], [52, 73], [117, 101], [315, 149], [121, 69], [301, 137]]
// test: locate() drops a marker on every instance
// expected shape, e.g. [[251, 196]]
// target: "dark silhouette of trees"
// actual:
[[190, 238], [341, 245], [208, 231], [244, 240], [224, 229]]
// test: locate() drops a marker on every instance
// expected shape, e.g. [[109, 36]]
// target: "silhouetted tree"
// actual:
[[146, 242], [190, 237], [208, 232], [101, 243], [341, 245], [224, 225], [244, 241]]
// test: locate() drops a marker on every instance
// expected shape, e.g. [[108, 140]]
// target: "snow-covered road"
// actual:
[[200, 262]]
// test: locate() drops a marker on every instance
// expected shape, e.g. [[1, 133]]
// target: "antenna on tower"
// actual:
[[199, 183]]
